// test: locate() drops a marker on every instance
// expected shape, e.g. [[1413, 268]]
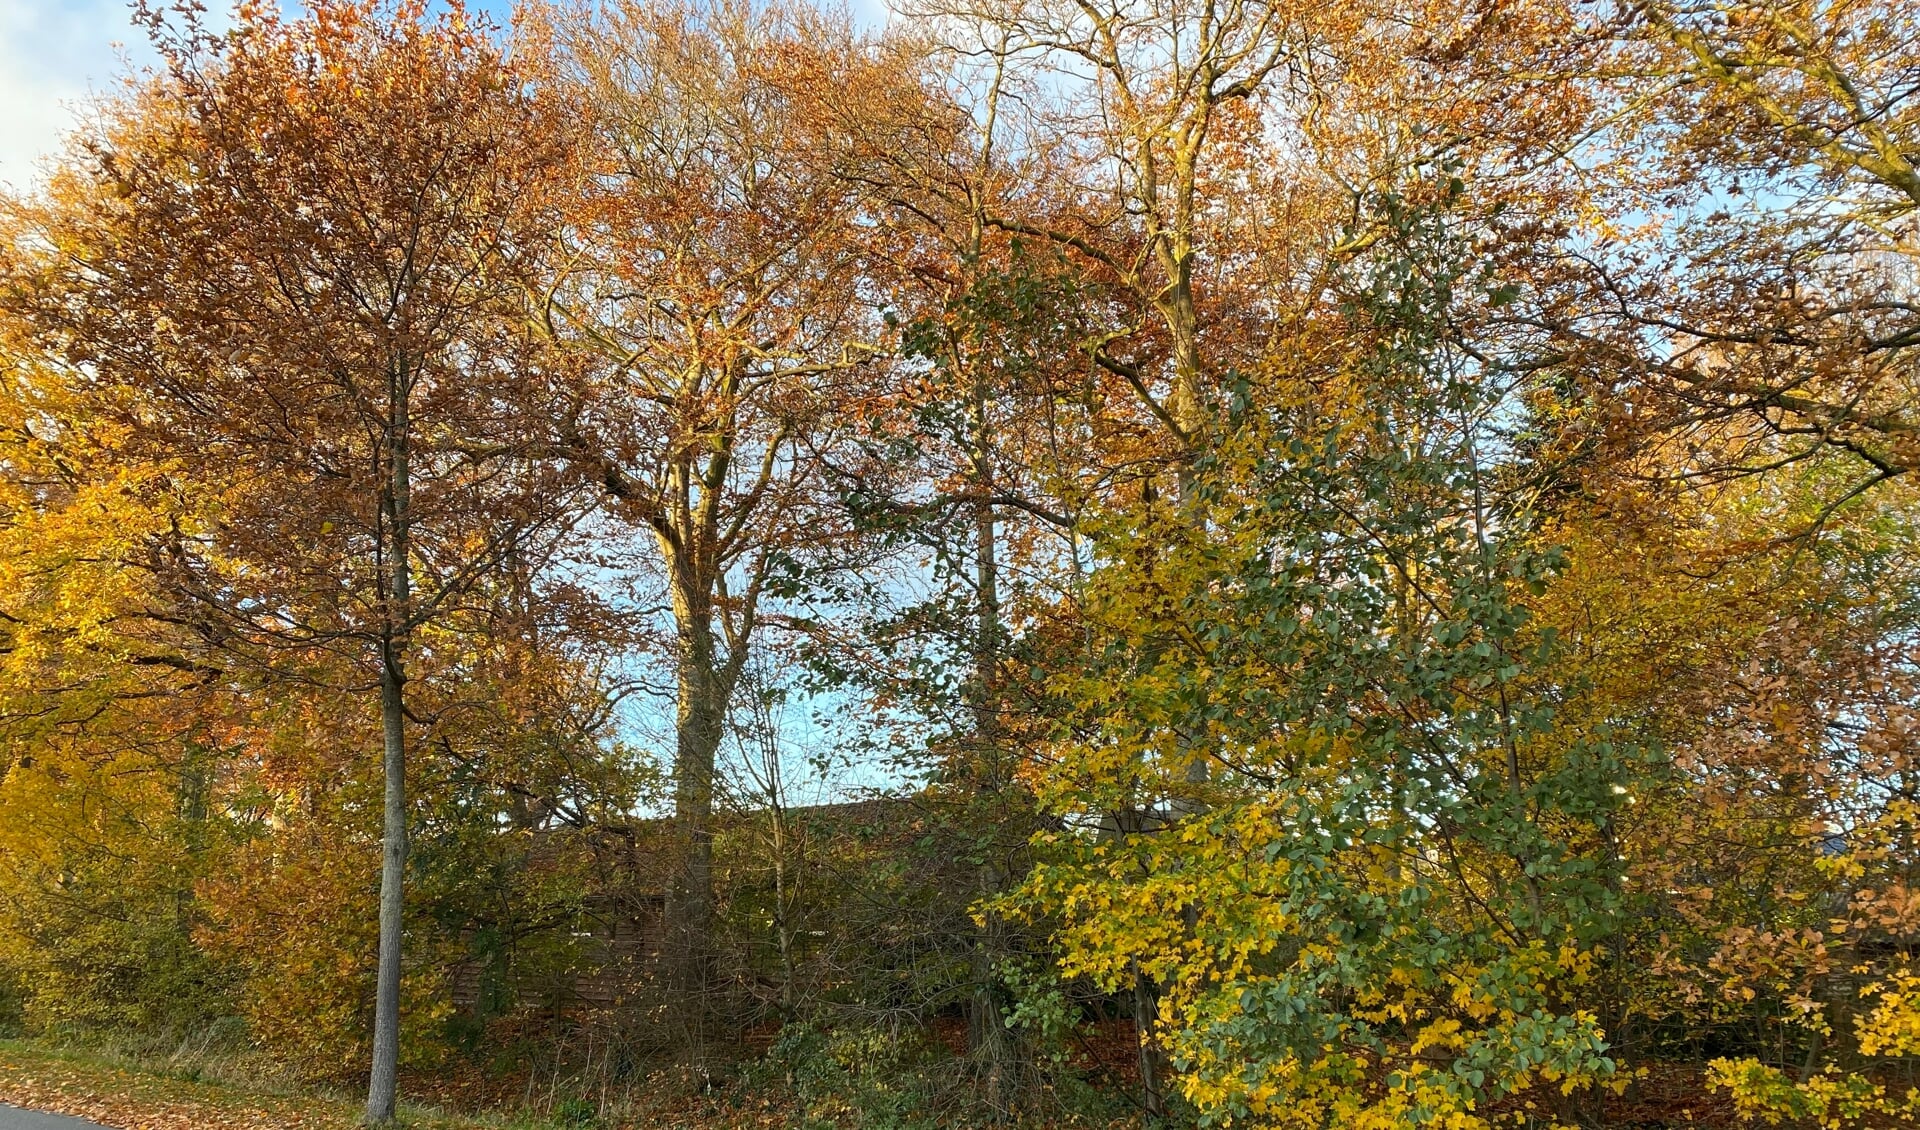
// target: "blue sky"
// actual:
[[54, 54]]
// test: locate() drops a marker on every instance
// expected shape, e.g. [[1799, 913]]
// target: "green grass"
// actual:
[[119, 1090]]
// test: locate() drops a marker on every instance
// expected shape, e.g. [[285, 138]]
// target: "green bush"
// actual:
[[860, 1076], [12, 1001]]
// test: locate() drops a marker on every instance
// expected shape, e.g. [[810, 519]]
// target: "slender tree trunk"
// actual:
[[780, 840], [1189, 410], [382, 1085], [991, 1047], [783, 902], [987, 1029], [701, 719], [191, 796], [381, 1089], [1146, 1007]]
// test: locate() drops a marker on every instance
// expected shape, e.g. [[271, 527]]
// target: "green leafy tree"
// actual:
[[1379, 905]]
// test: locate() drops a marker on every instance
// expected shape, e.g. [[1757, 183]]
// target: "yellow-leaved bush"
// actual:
[[1315, 801]]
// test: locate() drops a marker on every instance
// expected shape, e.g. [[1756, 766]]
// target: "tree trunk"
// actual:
[[992, 1045], [382, 1088], [784, 901], [992, 1050], [1146, 1007], [382, 1084], [701, 723]]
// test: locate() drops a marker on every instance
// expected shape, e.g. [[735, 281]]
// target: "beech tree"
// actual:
[[715, 287], [288, 268]]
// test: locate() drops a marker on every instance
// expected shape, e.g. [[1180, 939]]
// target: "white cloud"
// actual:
[[54, 55]]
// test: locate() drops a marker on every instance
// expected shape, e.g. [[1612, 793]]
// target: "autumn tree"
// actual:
[[113, 723], [947, 486], [1161, 150], [714, 286], [1798, 315], [288, 269], [1395, 855], [1147, 108], [1750, 282]]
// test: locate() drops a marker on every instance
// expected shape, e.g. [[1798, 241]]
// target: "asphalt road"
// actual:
[[13, 1118]]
